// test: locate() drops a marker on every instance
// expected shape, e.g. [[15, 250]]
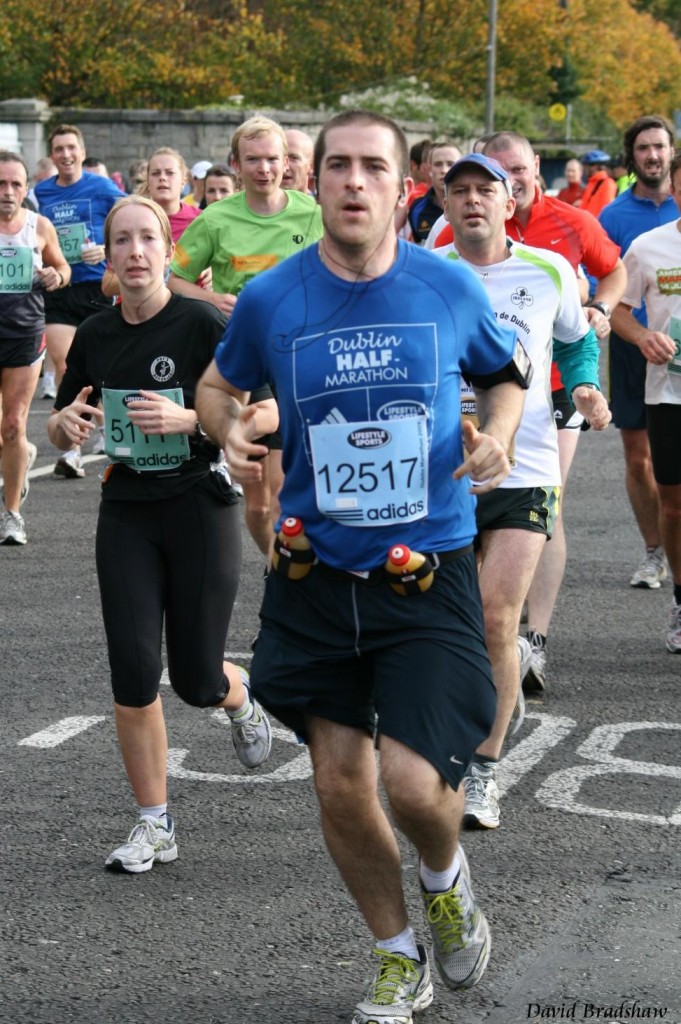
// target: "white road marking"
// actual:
[[299, 768], [49, 470], [61, 731], [529, 752], [561, 789]]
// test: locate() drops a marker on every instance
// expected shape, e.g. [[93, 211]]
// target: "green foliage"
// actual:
[[521, 116], [407, 99], [566, 84]]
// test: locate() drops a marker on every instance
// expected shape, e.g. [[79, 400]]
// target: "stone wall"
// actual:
[[120, 136]]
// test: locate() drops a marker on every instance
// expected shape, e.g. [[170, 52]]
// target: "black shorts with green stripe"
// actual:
[[519, 508]]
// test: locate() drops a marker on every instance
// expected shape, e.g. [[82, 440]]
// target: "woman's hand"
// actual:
[[157, 414], [71, 420]]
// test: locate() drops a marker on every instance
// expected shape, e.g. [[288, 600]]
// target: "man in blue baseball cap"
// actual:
[[600, 187], [478, 160], [535, 291]]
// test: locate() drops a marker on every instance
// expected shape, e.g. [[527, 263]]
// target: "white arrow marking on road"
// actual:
[[61, 731]]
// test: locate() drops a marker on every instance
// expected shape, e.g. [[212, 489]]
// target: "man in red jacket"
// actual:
[[600, 187]]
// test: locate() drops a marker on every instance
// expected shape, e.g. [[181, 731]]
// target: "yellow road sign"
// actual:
[[557, 111]]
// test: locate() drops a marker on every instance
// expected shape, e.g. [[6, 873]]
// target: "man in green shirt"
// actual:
[[238, 238]]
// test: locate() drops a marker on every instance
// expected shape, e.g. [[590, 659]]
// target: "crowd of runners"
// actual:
[[386, 357]]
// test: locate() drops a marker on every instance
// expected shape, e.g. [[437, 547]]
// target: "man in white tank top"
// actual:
[[31, 263]]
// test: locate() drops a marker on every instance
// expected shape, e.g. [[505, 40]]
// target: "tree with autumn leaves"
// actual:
[[188, 53]]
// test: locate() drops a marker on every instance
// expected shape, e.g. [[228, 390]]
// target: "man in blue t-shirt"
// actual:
[[365, 339], [648, 152], [77, 203]]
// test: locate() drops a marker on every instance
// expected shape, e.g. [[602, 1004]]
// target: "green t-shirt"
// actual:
[[238, 244]]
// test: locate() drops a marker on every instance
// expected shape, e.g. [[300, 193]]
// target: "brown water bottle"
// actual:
[[293, 555], [409, 572]]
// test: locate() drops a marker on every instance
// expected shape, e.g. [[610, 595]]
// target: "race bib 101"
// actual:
[[16, 268]]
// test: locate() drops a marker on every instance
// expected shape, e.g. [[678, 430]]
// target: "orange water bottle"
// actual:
[[409, 572], [293, 555]]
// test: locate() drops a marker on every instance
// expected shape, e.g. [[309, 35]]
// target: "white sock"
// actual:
[[404, 943], [245, 711], [439, 881], [158, 812]]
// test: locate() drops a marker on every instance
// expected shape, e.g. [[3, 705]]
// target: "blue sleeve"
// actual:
[[578, 361], [607, 218]]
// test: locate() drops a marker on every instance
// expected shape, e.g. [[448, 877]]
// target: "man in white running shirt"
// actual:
[[653, 263], [535, 292]]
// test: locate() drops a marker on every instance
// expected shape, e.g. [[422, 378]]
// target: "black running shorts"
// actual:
[[18, 352], [627, 379], [664, 431], [519, 508], [413, 668], [75, 303]]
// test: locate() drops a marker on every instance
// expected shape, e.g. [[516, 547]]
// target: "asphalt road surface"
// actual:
[[581, 883]]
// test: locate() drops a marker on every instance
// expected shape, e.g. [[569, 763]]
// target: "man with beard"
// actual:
[[648, 151]]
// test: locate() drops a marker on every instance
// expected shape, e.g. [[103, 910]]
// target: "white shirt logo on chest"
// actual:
[[162, 369], [521, 298]]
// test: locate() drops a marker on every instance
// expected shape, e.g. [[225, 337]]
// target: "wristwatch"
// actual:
[[199, 433], [584, 384], [603, 308]]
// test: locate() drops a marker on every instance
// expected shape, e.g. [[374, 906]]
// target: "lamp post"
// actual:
[[491, 66]]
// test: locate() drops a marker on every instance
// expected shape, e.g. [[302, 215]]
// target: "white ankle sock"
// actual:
[[404, 943], [158, 811], [245, 711], [439, 881]]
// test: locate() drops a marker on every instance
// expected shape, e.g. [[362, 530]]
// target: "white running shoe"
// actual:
[[482, 795], [535, 677], [461, 936], [70, 465], [12, 529], [48, 386], [399, 987], [674, 631], [652, 571], [252, 739], [149, 841]]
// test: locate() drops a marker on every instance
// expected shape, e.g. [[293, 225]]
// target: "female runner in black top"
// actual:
[[168, 535]]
